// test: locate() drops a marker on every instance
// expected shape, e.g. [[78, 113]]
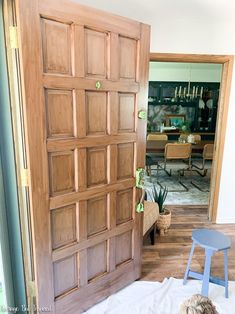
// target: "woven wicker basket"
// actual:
[[164, 221]]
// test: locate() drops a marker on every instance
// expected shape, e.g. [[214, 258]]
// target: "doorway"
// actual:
[[182, 108], [226, 62]]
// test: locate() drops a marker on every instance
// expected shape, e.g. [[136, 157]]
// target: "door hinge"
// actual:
[[13, 37], [24, 177], [31, 289]]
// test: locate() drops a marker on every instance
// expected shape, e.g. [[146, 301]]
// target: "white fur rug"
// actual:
[[145, 297]]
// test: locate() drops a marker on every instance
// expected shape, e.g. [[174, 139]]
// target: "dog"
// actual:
[[198, 304]]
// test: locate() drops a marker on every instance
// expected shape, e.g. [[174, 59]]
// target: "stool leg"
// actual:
[[189, 262], [226, 272], [206, 274]]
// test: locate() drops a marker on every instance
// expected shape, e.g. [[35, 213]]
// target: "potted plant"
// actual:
[[164, 218], [184, 133]]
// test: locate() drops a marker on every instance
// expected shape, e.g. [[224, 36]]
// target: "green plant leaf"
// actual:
[[159, 197]]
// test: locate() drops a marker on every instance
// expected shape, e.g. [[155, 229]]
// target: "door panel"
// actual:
[[63, 226], [96, 113], [128, 58], [96, 166], [56, 47], [126, 113], [59, 113], [65, 281], [61, 172], [97, 261], [123, 248], [85, 74], [97, 217], [96, 53]]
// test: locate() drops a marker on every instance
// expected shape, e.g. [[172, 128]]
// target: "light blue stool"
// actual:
[[212, 241]]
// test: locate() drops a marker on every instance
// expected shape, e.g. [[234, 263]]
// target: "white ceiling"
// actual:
[[183, 26]]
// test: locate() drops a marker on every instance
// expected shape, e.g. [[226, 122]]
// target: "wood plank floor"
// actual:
[[169, 256]]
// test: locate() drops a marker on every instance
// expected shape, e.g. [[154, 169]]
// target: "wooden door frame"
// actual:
[[21, 162], [221, 123]]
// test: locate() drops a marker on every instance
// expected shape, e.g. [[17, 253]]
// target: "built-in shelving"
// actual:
[[202, 97]]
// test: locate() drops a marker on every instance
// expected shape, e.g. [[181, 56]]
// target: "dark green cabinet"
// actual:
[[201, 97]]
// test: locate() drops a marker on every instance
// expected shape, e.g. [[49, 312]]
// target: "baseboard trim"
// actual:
[[225, 220]]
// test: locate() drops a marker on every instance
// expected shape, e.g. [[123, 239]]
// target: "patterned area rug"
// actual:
[[191, 197]]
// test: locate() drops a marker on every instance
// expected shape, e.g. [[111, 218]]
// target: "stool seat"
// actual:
[[211, 239]]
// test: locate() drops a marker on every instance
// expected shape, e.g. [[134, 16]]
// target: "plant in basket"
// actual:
[[164, 218]]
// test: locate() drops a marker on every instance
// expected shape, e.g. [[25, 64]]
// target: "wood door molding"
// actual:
[[223, 107], [220, 134], [192, 58]]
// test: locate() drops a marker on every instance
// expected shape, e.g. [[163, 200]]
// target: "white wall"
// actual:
[[195, 26], [177, 71]]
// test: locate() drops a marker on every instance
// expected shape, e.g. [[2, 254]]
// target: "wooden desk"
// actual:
[[159, 146]]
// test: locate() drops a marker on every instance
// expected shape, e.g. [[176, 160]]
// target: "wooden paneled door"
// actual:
[[85, 76]]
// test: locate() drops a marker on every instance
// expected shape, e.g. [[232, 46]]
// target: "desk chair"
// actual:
[[207, 154], [148, 159], [148, 163], [176, 151], [197, 137], [157, 137]]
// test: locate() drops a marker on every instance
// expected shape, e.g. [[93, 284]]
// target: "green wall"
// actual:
[[179, 71], [10, 225]]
